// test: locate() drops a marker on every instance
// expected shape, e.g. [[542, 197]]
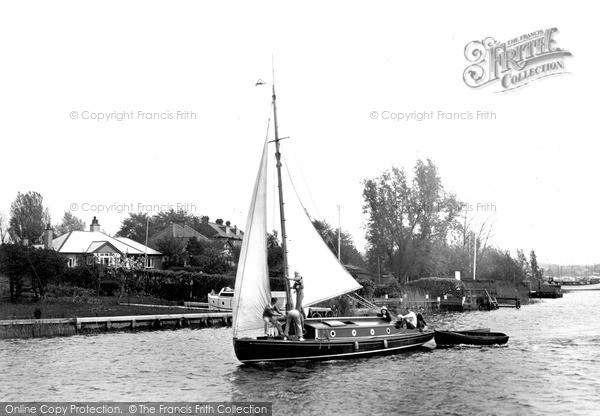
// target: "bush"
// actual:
[[53, 291], [81, 276], [393, 290], [368, 288], [108, 287], [439, 286], [40, 266]]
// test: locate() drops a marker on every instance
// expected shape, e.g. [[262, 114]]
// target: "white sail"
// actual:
[[323, 275], [252, 291]]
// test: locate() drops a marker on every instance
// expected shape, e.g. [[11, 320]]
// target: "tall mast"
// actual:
[[288, 305], [474, 256], [339, 236]]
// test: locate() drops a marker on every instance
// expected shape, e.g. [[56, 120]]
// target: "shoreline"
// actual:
[[51, 327]]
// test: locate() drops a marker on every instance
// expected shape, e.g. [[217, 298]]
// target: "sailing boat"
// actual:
[[324, 278]]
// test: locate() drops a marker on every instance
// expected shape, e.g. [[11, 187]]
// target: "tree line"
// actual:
[[414, 229]]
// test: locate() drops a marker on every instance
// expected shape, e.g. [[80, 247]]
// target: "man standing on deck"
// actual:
[[299, 288]]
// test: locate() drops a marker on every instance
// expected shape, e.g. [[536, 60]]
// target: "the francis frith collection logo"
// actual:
[[514, 63]]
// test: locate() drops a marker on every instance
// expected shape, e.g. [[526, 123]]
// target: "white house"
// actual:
[[81, 247]]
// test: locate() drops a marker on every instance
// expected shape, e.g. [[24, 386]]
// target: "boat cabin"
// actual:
[[351, 327]]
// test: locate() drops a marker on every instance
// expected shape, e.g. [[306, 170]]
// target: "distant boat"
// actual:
[[324, 278], [221, 301], [473, 337]]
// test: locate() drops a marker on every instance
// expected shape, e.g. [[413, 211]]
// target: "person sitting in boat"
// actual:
[[385, 314], [410, 319], [421, 324], [270, 314], [294, 316], [299, 288]]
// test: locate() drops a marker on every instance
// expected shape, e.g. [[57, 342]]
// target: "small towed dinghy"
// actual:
[[470, 337]]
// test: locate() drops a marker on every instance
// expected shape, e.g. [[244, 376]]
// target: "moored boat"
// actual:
[[221, 301], [473, 337]]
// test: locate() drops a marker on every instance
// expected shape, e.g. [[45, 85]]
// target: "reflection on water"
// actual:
[[550, 366]]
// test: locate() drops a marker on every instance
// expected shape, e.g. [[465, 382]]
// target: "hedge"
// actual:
[[439, 286], [174, 285]]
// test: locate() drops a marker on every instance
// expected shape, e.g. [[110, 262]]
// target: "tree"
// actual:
[[46, 267], [69, 223], [165, 218], [173, 249], [409, 222], [194, 247], [28, 218], [524, 267], [536, 272], [3, 229], [14, 265], [209, 256], [274, 254], [495, 264], [349, 252], [40, 266], [134, 227]]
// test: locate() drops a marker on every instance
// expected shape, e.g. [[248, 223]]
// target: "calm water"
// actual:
[[551, 365]]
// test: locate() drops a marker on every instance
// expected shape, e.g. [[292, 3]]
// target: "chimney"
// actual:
[[235, 230], [48, 234], [219, 221], [205, 220], [228, 227], [94, 226]]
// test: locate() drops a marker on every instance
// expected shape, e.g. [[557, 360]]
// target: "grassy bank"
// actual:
[[69, 307]]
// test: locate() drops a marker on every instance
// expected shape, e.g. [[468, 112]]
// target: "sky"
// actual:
[[341, 70]]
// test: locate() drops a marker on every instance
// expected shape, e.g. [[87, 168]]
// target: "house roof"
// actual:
[[97, 245], [90, 241], [137, 246], [178, 231], [220, 231]]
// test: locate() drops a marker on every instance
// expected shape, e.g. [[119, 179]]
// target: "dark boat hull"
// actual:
[[250, 350], [470, 338]]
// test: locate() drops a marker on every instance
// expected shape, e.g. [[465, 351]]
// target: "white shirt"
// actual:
[[410, 317]]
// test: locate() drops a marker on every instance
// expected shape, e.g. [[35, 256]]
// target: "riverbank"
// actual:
[[72, 307], [40, 328], [70, 315]]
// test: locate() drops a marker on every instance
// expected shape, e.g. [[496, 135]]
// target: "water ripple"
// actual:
[[550, 366]]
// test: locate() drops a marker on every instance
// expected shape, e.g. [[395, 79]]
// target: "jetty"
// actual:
[[35, 328]]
